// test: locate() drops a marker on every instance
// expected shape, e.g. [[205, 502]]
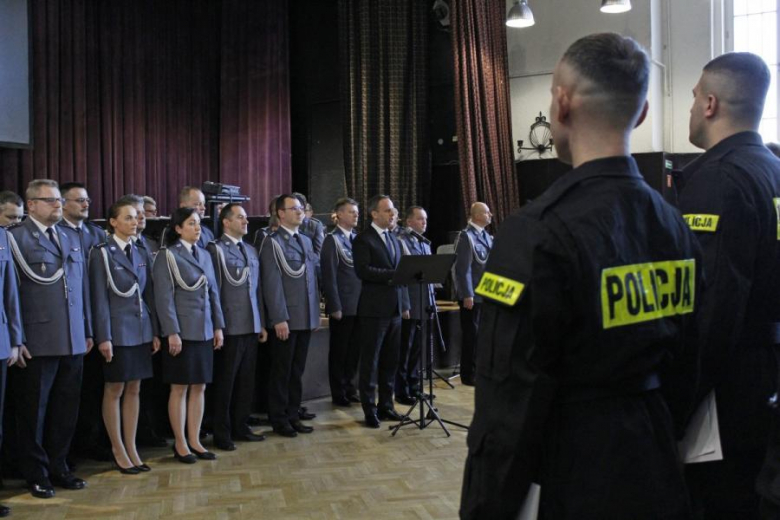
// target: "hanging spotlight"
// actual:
[[615, 6], [520, 15]]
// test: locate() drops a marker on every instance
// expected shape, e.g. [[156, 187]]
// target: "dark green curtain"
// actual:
[[383, 45]]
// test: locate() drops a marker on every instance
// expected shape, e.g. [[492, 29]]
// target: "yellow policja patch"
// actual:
[[708, 223], [645, 292], [776, 200], [499, 288]]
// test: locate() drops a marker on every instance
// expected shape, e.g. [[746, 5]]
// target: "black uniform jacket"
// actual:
[[588, 293]]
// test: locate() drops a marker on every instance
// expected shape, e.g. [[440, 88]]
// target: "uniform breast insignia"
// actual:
[[36, 234], [112, 248], [75, 249], [499, 288], [645, 292], [43, 268], [704, 223]]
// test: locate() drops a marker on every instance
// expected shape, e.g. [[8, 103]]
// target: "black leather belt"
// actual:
[[576, 394]]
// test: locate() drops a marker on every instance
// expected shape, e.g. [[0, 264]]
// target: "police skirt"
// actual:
[[193, 366], [129, 364]]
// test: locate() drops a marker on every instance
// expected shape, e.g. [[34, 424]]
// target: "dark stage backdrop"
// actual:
[[147, 96]]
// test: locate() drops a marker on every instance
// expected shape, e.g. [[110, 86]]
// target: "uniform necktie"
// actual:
[[194, 252], [243, 252], [50, 233], [129, 252]]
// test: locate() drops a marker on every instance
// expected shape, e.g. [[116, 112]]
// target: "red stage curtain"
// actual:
[[482, 109], [146, 96]]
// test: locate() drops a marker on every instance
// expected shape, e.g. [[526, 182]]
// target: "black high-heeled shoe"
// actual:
[[132, 470], [185, 459], [144, 468], [203, 455]]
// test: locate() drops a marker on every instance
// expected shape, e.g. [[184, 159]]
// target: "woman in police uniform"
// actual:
[[122, 310], [188, 307]]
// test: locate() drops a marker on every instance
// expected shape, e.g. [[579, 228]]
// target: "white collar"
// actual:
[[475, 226], [290, 231], [347, 234], [121, 243], [40, 226], [188, 245], [379, 230], [71, 224], [234, 240]]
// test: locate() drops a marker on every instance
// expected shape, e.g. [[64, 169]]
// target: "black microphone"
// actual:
[[418, 236]]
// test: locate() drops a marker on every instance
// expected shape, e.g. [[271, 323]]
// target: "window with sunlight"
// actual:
[[755, 30]]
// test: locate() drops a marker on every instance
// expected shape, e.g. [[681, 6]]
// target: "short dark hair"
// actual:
[[373, 203], [619, 69], [343, 201], [131, 198], [65, 187], [301, 198], [750, 78], [227, 209], [178, 217], [184, 194], [410, 211], [9, 197], [116, 207]]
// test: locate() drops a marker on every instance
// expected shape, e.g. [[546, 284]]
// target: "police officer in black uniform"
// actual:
[[588, 292], [731, 201]]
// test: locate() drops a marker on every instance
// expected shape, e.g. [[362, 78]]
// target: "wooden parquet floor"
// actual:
[[341, 471]]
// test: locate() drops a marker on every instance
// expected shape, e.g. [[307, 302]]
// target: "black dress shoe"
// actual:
[[4, 511], [405, 399], [305, 415], [132, 470], [203, 455], [372, 421], [353, 398], [389, 415], [41, 489], [68, 481], [342, 401], [143, 468], [224, 445], [184, 459], [299, 427], [285, 430], [251, 437]]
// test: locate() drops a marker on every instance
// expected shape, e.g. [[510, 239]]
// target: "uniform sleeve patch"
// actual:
[[704, 223], [499, 288], [645, 292]]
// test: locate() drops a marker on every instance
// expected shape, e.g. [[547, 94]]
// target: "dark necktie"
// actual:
[[129, 252], [50, 233], [243, 252], [194, 251], [389, 245]]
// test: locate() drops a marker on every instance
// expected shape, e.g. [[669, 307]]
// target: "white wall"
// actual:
[[678, 34]]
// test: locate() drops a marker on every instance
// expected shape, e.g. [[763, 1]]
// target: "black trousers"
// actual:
[[380, 340], [469, 325], [48, 393], [285, 385], [233, 387], [343, 356], [8, 433], [90, 431], [406, 379]]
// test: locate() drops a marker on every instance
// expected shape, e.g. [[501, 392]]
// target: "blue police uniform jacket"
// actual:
[[340, 283], [240, 303], [472, 252], [56, 317], [11, 322]]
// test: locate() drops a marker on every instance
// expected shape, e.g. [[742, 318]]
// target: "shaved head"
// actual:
[[479, 214]]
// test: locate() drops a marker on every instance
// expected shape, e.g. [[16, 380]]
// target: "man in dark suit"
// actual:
[[292, 301], [57, 328], [90, 439], [342, 289], [472, 250], [376, 252], [406, 379], [238, 274]]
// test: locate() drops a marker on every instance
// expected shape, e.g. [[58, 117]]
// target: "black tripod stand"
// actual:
[[424, 270]]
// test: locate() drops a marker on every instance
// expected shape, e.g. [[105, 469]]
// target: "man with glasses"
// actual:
[[11, 211], [311, 227], [90, 440], [57, 327], [150, 207], [292, 301]]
